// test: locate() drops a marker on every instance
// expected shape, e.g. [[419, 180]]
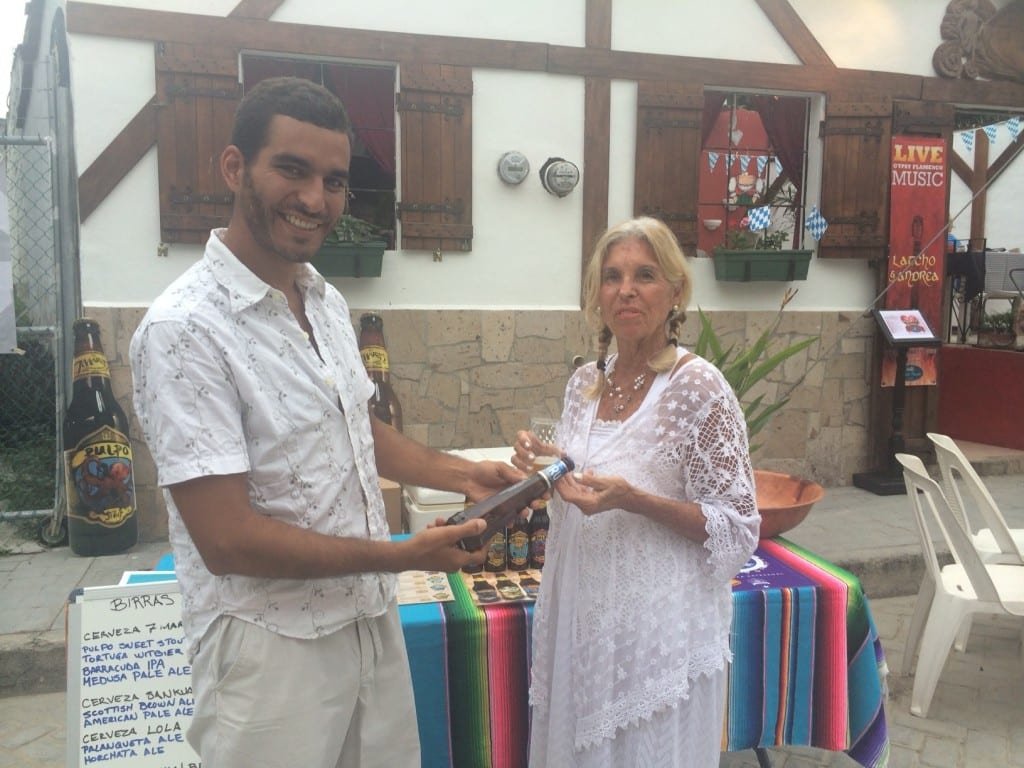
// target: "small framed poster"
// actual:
[[906, 328]]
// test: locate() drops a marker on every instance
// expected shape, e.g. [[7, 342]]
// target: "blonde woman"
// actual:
[[631, 630]]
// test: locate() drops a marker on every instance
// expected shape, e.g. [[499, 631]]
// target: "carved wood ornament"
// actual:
[[980, 40]]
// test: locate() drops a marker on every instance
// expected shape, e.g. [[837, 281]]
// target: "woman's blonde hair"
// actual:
[[674, 267]]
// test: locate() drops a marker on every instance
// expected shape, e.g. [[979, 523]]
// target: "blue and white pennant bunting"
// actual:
[[815, 223]]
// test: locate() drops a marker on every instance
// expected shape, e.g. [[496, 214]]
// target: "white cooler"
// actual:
[[421, 506]]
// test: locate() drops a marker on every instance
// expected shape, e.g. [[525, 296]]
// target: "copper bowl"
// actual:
[[784, 500]]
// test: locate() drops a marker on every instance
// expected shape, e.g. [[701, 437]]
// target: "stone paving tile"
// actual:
[[33, 731]]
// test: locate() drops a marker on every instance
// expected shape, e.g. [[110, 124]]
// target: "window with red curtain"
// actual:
[[368, 93], [753, 154]]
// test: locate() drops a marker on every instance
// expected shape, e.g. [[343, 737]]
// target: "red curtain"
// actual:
[[785, 122], [369, 96]]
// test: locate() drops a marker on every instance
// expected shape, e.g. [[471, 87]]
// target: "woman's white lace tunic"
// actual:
[[631, 613]]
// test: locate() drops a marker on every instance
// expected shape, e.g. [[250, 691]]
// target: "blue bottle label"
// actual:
[[559, 469]]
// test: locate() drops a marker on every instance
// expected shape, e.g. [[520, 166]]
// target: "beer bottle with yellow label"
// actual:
[[97, 455], [384, 402]]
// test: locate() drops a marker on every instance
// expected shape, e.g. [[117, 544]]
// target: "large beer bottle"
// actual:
[[97, 455], [384, 403], [499, 509]]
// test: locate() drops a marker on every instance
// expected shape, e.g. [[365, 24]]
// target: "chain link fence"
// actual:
[[32, 381]]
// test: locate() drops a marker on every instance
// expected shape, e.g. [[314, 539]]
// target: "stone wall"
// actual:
[[472, 378]]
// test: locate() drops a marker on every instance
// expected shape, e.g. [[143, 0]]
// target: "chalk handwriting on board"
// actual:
[[130, 696]]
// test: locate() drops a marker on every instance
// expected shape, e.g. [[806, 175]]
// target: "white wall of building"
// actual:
[[526, 245]]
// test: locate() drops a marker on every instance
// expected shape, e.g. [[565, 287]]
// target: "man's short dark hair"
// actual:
[[293, 97]]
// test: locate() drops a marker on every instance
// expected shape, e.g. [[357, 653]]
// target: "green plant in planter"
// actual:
[[997, 322], [745, 240], [743, 367], [352, 229], [354, 248]]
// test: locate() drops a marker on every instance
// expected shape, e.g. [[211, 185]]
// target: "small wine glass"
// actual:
[[543, 428]]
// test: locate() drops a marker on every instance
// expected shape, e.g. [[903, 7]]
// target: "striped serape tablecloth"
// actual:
[[805, 672], [469, 669], [808, 666]]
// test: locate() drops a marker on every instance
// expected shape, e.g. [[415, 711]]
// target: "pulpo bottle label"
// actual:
[[99, 482]]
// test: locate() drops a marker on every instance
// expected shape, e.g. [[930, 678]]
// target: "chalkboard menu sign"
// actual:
[[129, 679]]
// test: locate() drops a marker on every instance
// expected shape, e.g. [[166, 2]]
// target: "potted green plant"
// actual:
[[743, 367], [747, 256], [996, 330], [354, 248]]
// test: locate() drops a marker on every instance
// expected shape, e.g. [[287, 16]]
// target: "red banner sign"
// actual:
[[917, 246]]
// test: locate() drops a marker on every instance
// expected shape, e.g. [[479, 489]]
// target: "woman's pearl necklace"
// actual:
[[620, 398]]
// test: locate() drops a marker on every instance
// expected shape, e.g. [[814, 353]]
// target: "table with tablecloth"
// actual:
[[807, 667]]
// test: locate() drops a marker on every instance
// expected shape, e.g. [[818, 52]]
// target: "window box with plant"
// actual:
[[354, 248], [748, 256], [996, 330]]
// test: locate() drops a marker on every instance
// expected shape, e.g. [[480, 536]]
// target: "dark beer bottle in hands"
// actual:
[[499, 510], [384, 402]]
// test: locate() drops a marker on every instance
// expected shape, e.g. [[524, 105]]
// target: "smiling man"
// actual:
[[253, 401]]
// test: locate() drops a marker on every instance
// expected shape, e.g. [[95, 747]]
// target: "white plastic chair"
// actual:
[[995, 541], [948, 594]]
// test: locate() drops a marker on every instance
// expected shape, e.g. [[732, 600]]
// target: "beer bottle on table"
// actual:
[[518, 544], [539, 524], [97, 455], [384, 403], [499, 509], [497, 553]]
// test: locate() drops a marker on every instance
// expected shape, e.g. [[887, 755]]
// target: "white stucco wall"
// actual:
[[526, 242]]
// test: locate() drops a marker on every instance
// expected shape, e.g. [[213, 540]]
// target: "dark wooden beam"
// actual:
[[114, 162], [599, 24], [597, 122], [960, 168], [796, 34], [305, 39], [597, 118], [977, 185], [989, 93], [631, 65], [1005, 157], [255, 9]]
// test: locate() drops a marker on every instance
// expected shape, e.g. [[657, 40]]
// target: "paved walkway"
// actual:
[[976, 719]]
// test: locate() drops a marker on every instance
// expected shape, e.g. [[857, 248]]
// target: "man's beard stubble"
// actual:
[[259, 219]]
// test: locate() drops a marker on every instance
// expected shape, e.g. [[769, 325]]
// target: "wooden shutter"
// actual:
[[668, 143], [855, 179], [197, 93], [435, 107]]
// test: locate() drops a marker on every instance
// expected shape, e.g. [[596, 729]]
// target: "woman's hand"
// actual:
[[528, 447], [595, 493]]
